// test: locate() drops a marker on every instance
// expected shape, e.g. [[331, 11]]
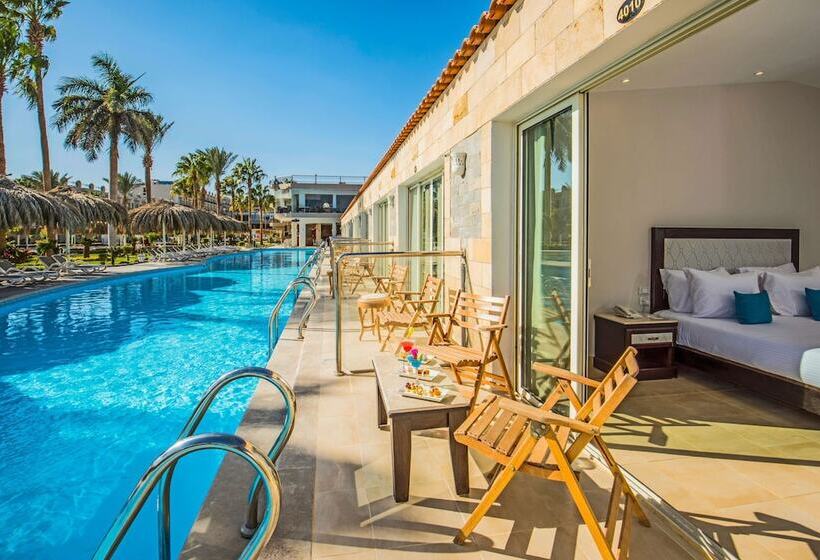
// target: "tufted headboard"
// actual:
[[708, 248]]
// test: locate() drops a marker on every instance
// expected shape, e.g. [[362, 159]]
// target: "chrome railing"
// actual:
[[236, 445], [252, 515], [465, 283], [273, 320], [313, 266]]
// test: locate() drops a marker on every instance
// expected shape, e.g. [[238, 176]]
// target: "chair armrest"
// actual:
[[553, 371], [490, 328], [544, 417], [438, 315], [407, 293]]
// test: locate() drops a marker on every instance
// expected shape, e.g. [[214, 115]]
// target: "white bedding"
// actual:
[[788, 346]]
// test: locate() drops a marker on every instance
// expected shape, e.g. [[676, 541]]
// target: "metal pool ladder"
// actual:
[[305, 278], [162, 469], [273, 321]]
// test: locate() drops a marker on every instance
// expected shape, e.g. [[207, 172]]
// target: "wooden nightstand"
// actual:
[[654, 339]]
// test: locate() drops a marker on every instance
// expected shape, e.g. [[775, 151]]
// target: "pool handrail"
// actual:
[[168, 459], [202, 407], [273, 323], [314, 263]]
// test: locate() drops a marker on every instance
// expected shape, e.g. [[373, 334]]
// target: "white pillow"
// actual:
[[676, 285], [787, 292], [788, 267], [713, 295]]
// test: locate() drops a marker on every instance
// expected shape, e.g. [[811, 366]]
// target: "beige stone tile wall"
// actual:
[[534, 41]]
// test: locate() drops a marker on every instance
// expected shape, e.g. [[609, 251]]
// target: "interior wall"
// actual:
[[745, 155]]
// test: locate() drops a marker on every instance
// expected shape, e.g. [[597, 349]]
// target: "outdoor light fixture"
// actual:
[[625, 81], [760, 73], [458, 164]]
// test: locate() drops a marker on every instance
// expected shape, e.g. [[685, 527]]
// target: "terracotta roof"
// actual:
[[479, 32]]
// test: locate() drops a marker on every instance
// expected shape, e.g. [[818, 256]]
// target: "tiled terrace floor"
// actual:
[[336, 474], [746, 470]]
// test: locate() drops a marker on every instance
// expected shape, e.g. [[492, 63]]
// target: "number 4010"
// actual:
[[629, 10]]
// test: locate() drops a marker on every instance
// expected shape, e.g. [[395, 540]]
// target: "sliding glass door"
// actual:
[[553, 282], [425, 228]]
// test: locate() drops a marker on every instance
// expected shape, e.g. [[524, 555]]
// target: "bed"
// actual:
[[780, 360]]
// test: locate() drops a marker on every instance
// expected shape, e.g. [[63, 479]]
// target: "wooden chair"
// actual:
[[393, 282], [481, 319], [535, 441], [353, 274], [412, 309]]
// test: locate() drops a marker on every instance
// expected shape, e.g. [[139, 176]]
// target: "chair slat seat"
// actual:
[[457, 355]]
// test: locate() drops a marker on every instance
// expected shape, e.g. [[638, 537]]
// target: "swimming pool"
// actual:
[[97, 380]]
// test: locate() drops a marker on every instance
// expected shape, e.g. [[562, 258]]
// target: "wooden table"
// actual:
[[406, 414]]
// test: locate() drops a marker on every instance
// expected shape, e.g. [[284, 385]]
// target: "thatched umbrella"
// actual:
[[24, 207], [165, 216], [92, 209], [229, 224], [232, 224]]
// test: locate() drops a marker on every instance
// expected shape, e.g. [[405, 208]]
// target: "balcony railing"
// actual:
[[316, 210], [323, 179]]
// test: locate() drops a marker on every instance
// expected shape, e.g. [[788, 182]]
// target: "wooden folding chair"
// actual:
[[392, 282], [355, 272], [412, 309], [533, 440], [482, 319]]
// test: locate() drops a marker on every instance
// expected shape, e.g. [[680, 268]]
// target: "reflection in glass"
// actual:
[[547, 173], [425, 226]]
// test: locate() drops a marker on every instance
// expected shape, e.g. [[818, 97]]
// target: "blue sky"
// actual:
[[305, 87]]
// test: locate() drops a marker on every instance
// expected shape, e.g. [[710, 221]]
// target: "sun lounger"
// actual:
[[13, 280], [78, 268], [31, 273]]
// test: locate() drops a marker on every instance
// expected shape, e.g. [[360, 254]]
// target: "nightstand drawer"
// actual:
[[652, 338]]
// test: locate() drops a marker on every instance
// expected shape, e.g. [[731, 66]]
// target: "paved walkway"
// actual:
[[336, 474]]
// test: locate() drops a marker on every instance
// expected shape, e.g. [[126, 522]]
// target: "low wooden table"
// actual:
[[406, 414]]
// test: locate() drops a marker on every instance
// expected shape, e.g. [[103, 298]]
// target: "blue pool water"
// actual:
[[96, 381]]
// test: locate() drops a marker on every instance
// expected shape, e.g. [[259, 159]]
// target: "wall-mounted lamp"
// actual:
[[458, 164]]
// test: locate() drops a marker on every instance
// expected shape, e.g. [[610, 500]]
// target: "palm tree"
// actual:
[[249, 172], [231, 183], [192, 173], [267, 202], [11, 59], [34, 180], [238, 200], [126, 183], [38, 16], [219, 160], [148, 136], [102, 111]]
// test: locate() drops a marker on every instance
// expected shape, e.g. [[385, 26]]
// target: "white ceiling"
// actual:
[[779, 37]]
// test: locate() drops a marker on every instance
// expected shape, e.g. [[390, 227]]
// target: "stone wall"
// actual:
[[535, 44]]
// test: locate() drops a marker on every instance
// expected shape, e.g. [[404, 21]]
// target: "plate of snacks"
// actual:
[[416, 390], [424, 373]]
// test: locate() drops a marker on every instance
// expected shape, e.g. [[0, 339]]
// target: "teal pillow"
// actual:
[[813, 297], [753, 309]]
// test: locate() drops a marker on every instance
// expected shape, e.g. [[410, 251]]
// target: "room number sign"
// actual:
[[629, 10]]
